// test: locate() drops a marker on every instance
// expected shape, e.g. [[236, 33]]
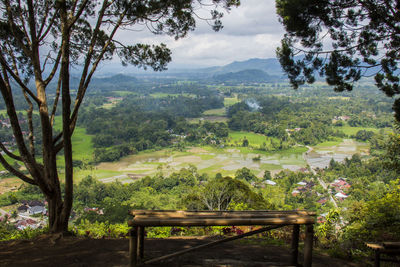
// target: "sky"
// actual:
[[250, 31]]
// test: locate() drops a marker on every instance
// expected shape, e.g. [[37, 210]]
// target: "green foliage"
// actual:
[[245, 174], [26, 192], [223, 193], [362, 41], [374, 220], [100, 229], [326, 232], [392, 155]]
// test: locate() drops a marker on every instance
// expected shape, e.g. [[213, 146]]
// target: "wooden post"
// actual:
[[133, 240], [308, 245], [295, 245], [140, 249], [377, 258]]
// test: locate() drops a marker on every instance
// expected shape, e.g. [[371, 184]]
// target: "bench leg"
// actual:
[[377, 258], [295, 245], [140, 248], [308, 245], [133, 242]]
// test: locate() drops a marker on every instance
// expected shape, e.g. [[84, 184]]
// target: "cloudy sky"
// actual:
[[250, 31]]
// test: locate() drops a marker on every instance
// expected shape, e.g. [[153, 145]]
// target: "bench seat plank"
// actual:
[[220, 221], [217, 213]]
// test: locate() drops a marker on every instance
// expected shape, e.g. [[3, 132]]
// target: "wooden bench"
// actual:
[[388, 248], [268, 219]]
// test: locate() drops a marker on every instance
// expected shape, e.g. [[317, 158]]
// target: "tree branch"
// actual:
[[54, 70], [30, 123], [28, 159], [3, 62], [8, 153], [23, 22], [14, 28], [43, 21], [53, 112], [79, 13], [43, 36], [17, 173], [85, 80]]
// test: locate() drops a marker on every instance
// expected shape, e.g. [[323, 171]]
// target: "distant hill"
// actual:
[[246, 76], [119, 78], [109, 83], [269, 65]]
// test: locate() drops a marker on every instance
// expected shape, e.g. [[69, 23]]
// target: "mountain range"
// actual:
[[251, 70]]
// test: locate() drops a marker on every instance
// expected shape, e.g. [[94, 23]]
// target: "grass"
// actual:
[[82, 146], [294, 150], [163, 95], [124, 93], [353, 130], [329, 143], [229, 101], [254, 139], [215, 112]]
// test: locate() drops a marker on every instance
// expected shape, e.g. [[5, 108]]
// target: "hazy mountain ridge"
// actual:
[[246, 76], [270, 66]]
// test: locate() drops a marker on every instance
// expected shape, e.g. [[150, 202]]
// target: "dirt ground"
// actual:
[[80, 252]]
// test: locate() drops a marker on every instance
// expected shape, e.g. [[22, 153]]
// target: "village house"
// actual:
[[28, 223], [95, 210], [295, 193], [303, 188], [23, 208], [269, 182], [32, 207], [340, 196], [340, 185], [341, 118], [37, 210], [322, 201]]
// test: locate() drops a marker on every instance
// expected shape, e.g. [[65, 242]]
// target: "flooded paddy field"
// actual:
[[322, 154], [228, 160], [206, 159]]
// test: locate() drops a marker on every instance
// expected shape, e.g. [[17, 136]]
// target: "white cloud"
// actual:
[[251, 30]]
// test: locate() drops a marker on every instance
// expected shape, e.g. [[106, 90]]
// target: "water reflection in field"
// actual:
[[228, 160], [320, 156]]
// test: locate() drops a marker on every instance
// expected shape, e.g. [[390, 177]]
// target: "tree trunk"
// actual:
[[57, 222]]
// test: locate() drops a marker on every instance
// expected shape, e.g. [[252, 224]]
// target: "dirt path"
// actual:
[[114, 252], [321, 182]]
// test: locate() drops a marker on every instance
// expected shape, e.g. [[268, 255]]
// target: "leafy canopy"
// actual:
[[342, 40]]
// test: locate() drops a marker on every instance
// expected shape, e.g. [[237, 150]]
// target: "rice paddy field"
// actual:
[[227, 160], [207, 159], [322, 153]]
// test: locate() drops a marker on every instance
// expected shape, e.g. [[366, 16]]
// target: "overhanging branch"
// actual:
[[9, 153], [3, 62], [17, 173]]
